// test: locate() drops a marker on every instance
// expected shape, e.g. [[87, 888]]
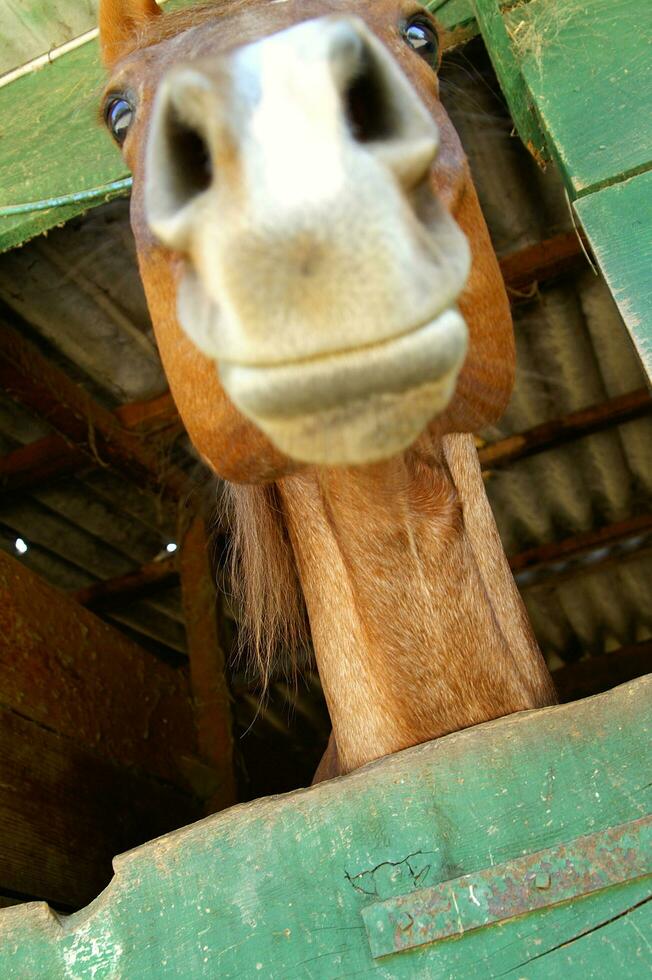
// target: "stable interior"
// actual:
[[567, 469]]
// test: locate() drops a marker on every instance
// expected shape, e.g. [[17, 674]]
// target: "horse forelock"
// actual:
[[158, 29]]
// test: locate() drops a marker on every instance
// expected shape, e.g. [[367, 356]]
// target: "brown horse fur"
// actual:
[[417, 626]]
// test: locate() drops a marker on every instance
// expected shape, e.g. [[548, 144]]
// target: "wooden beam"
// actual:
[[149, 578], [581, 543], [38, 463], [53, 456], [536, 263], [212, 698], [556, 432], [559, 431], [30, 378], [150, 415], [65, 811], [594, 675], [501, 50], [110, 693]]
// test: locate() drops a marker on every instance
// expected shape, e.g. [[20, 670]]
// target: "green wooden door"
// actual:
[[328, 882]]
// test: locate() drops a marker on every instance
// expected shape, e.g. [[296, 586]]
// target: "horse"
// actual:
[[334, 328]]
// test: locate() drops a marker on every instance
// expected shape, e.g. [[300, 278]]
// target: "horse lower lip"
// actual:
[[426, 354]]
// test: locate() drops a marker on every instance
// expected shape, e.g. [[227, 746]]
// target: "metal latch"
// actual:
[[534, 881]]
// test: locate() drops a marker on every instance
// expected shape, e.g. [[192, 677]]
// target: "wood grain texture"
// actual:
[[588, 69], [508, 70], [275, 889], [45, 389], [31, 27], [65, 811], [72, 152], [211, 695], [618, 223], [65, 669]]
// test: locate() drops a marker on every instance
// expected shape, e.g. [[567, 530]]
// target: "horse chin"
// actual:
[[355, 407], [360, 432]]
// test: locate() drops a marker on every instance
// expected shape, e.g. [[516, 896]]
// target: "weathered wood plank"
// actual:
[[30, 27], [59, 102], [275, 888], [588, 70], [64, 668], [211, 696], [65, 811], [73, 154], [617, 221], [580, 543], [557, 432], [508, 70], [31, 379]]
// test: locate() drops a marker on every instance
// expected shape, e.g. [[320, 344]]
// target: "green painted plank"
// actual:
[[616, 950], [31, 28], [454, 14], [503, 891], [52, 142], [71, 153], [588, 68], [276, 888], [507, 66], [54, 146], [618, 223], [459, 15]]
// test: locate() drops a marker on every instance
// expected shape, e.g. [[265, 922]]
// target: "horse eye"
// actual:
[[119, 114], [422, 37]]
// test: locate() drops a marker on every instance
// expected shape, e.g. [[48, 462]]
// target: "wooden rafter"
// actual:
[[36, 464], [53, 456], [582, 543], [94, 431], [556, 432], [155, 414], [150, 577], [544, 260], [211, 696], [155, 575]]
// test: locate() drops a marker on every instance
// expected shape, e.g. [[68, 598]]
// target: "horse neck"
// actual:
[[417, 625]]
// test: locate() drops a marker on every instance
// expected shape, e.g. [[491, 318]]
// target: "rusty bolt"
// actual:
[[404, 920], [542, 880]]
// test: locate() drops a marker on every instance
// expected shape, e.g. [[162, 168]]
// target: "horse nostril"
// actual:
[[366, 104], [190, 168], [179, 157]]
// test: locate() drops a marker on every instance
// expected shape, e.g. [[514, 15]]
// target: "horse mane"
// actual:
[[157, 29], [264, 582]]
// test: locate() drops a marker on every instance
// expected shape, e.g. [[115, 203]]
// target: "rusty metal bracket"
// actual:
[[524, 884]]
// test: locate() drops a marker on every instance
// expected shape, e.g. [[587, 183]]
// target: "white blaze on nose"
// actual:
[[295, 131]]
